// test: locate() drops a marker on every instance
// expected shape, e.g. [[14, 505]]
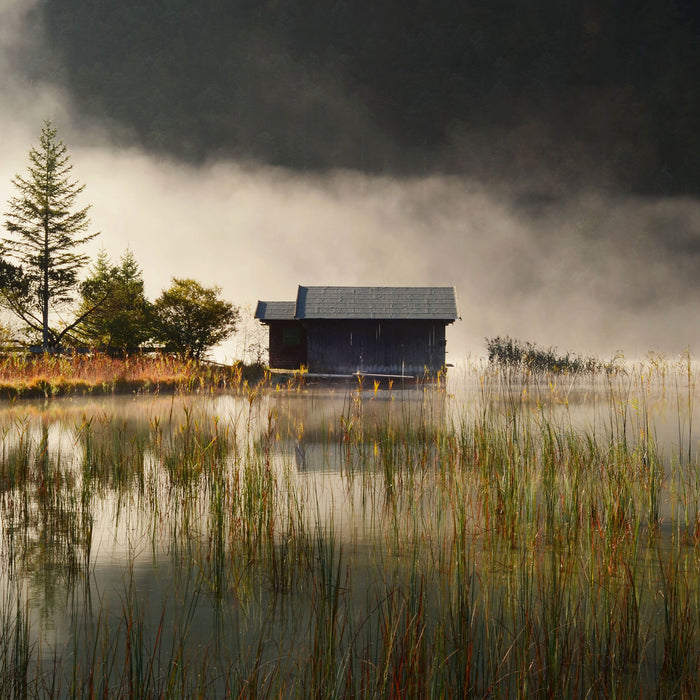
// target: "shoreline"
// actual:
[[100, 375]]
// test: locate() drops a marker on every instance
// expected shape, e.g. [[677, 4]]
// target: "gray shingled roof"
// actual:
[[275, 310], [439, 303]]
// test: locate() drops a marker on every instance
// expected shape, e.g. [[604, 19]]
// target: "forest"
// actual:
[[577, 93]]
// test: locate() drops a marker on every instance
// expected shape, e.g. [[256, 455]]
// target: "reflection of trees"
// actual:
[[47, 525], [48, 490], [196, 447], [55, 480], [112, 453]]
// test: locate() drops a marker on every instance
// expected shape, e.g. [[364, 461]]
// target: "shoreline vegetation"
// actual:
[[48, 375], [23, 375], [517, 354]]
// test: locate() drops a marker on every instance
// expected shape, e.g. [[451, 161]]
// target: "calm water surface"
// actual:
[[217, 523]]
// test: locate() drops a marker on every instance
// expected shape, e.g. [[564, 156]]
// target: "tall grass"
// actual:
[[524, 540], [59, 375]]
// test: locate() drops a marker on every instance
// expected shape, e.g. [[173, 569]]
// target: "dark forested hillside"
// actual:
[[564, 89]]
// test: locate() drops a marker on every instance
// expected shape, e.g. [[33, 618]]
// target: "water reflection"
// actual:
[[296, 524]]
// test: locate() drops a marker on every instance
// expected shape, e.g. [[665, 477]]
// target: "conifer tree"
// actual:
[[45, 232], [120, 319]]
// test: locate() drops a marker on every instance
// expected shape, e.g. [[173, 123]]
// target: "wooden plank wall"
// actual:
[[383, 347]]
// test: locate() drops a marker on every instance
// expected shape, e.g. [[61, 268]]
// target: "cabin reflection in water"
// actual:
[[334, 430]]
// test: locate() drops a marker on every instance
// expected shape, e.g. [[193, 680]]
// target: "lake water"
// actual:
[[355, 540]]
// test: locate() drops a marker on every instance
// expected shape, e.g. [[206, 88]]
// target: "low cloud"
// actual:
[[589, 273]]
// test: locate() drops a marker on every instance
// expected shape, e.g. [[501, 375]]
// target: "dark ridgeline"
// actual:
[[603, 92], [366, 330]]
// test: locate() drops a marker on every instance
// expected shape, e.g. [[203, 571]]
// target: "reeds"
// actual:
[[524, 540], [508, 353], [60, 375]]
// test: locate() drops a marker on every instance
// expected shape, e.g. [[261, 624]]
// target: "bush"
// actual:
[[508, 352]]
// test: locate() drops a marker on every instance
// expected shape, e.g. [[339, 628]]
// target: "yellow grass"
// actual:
[[48, 375]]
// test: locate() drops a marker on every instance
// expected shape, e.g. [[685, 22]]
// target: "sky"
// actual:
[[587, 271]]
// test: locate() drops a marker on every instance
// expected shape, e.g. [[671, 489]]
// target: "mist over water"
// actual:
[[585, 270]]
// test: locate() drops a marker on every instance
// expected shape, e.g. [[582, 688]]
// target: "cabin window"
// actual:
[[291, 336]]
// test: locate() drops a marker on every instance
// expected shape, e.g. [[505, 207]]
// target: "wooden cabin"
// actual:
[[367, 330]]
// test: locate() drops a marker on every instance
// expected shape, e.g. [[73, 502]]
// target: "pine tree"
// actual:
[[45, 231], [120, 319]]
